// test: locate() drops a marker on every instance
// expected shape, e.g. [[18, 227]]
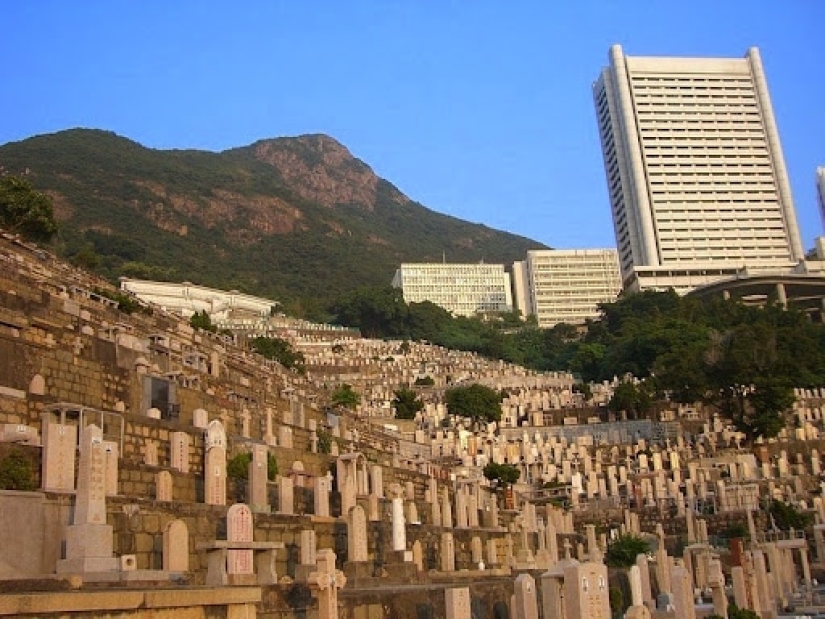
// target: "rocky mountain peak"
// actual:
[[320, 169]]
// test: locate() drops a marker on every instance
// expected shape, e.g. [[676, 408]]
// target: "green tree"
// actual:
[[280, 350], [16, 472], [201, 320], [505, 474], [477, 402], [622, 551], [785, 516], [630, 398], [376, 311], [25, 211], [344, 395], [406, 404]]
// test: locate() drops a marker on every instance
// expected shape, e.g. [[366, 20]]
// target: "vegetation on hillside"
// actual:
[[743, 360], [25, 211], [231, 221]]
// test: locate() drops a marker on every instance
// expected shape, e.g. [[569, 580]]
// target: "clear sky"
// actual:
[[477, 108]]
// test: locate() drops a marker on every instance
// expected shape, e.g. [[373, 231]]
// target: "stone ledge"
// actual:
[[112, 600]]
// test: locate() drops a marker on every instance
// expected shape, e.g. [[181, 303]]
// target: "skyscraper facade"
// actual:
[[820, 190], [695, 171]]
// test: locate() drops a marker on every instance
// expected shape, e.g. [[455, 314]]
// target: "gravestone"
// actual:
[[150, 453], [239, 528], [308, 549], [399, 534], [586, 592], [200, 418], [111, 458], [257, 480], [286, 495], [175, 546], [214, 470], [58, 466], [357, 535], [324, 584], [323, 486], [163, 486], [457, 603], [447, 552], [179, 444], [89, 541], [525, 602]]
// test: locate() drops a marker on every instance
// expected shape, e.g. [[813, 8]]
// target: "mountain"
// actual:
[[295, 219]]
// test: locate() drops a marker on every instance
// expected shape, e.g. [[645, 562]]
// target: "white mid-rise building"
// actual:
[[462, 289], [565, 285], [696, 176]]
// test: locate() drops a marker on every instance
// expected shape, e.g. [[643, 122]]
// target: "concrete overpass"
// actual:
[[804, 292]]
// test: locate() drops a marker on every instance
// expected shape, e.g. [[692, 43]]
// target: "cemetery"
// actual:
[[155, 470]]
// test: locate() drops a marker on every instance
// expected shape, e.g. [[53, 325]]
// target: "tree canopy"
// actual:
[[476, 402], [406, 403], [344, 395], [279, 350], [622, 551], [504, 474], [25, 211]]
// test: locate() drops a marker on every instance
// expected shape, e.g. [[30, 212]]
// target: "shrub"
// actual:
[[16, 472]]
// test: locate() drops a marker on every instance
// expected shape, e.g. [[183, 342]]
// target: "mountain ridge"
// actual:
[[297, 218]]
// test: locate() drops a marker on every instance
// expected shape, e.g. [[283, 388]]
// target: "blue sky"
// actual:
[[479, 109]]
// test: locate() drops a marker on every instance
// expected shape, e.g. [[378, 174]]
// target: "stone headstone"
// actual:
[[357, 535], [111, 459], [179, 447], [447, 552], [163, 486], [200, 418], [257, 479], [58, 465], [525, 604], [89, 539], [457, 603], [286, 495], [323, 487], [239, 528], [325, 583], [150, 453], [308, 548], [214, 473], [399, 534], [90, 499], [175, 546]]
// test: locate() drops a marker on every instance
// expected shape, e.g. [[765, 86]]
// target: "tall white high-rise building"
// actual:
[[565, 285], [695, 171], [462, 289], [820, 187]]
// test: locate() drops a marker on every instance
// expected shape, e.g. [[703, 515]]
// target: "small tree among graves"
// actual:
[[406, 404], [504, 474], [477, 402], [16, 472], [344, 395], [622, 551]]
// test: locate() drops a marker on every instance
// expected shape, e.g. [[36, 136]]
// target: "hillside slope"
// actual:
[[296, 219]]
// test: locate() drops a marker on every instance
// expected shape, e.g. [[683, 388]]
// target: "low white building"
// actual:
[[186, 299], [462, 289]]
